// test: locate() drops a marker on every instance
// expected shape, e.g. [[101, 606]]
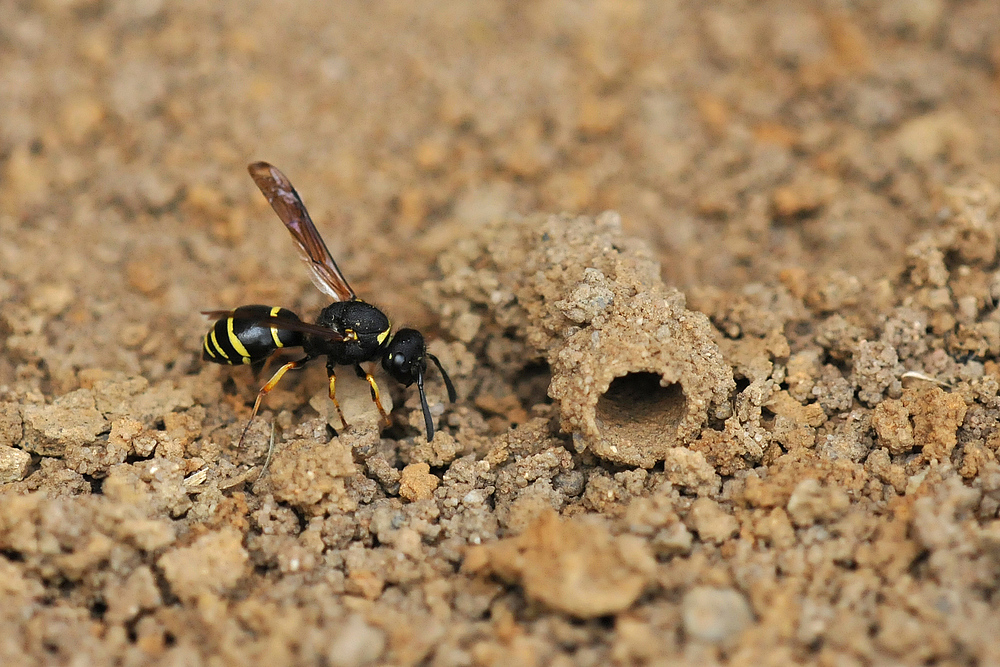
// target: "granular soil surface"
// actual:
[[717, 284]]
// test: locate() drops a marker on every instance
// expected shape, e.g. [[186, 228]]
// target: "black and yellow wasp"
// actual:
[[348, 332]]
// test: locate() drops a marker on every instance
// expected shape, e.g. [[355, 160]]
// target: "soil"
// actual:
[[717, 284]]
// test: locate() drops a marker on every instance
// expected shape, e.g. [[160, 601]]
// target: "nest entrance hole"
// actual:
[[637, 407]]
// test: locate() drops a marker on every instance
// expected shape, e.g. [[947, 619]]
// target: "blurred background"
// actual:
[[741, 139]]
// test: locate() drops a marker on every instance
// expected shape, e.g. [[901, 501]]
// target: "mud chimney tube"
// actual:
[[634, 373]]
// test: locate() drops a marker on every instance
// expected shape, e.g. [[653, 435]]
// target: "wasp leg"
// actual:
[[376, 396], [266, 389], [333, 393]]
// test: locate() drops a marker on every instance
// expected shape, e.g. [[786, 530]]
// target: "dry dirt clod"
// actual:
[[13, 464], [715, 615], [573, 566], [212, 564], [70, 420], [417, 483]]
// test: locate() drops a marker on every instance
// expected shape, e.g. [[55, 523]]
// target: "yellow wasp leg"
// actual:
[[266, 389]]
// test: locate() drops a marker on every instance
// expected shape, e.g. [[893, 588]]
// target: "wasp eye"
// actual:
[[398, 359]]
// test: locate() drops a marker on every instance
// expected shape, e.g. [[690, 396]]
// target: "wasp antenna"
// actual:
[[452, 396], [428, 422]]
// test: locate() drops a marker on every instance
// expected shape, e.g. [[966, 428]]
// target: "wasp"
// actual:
[[348, 332]]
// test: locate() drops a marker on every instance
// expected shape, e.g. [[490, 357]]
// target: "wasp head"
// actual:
[[406, 361]]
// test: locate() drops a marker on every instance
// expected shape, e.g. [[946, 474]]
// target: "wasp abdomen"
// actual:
[[241, 338]]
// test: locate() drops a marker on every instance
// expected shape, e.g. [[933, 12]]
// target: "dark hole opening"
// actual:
[[637, 402]]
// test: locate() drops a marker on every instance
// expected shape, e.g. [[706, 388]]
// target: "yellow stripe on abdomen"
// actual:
[[236, 342], [218, 348], [208, 348], [274, 330]]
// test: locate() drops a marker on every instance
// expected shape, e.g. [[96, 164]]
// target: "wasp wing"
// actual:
[[288, 205], [278, 322]]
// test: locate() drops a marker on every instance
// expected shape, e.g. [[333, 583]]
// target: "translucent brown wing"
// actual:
[[280, 323], [288, 205]]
